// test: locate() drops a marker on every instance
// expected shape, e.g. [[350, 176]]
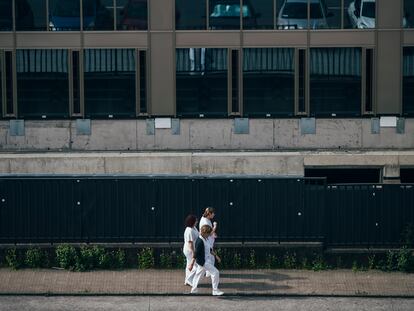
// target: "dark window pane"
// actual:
[[346, 175], [325, 14], [234, 81], [225, 14], [9, 82], [201, 82], [1, 84], [408, 81], [64, 15], [30, 15], [259, 14], [292, 14], [6, 15], [109, 82], [76, 81], [302, 81], [268, 82], [190, 14], [408, 18], [359, 14], [42, 83], [335, 81], [143, 81], [132, 14], [98, 14], [369, 64]]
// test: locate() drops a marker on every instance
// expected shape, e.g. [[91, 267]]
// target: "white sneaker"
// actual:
[[217, 293], [194, 291], [208, 274]]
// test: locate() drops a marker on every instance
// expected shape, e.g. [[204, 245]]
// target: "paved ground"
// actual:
[[233, 282], [202, 303]]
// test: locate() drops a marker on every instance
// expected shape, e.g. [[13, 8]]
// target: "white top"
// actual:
[[205, 221], [190, 235], [207, 248]]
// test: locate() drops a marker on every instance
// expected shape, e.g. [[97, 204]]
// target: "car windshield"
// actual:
[[368, 9], [295, 10], [229, 10]]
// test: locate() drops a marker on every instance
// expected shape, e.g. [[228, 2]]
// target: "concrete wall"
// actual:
[[206, 134]]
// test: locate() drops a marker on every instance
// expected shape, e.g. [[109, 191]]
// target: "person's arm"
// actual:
[[216, 256]]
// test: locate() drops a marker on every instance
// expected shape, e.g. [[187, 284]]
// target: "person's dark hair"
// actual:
[[208, 211], [190, 221]]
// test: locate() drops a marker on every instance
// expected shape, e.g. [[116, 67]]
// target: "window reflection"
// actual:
[[408, 81], [261, 14], [6, 19], [65, 15], [201, 76], [225, 14], [360, 13], [268, 81], [132, 14], [98, 14], [408, 19], [335, 81], [190, 14], [42, 83], [30, 14]]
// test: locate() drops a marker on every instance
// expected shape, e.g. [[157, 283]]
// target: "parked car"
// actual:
[[293, 14], [65, 15], [226, 14], [134, 15], [361, 13]]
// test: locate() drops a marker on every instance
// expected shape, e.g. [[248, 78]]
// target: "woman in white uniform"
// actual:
[[206, 219], [190, 236]]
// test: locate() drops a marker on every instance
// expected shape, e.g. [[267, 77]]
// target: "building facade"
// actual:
[[260, 87]]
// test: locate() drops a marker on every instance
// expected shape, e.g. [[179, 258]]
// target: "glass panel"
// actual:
[[9, 82], [234, 81], [190, 14], [6, 15], [42, 83], [325, 14], [98, 14], [143, 81], [30, 15], [64, 15], [369, 65], [408, 81], [131, 15], [225, 14], [109, 82], [259, 14], [268, 82], [408, 19], [359, 14], [302, 81], [1, 84], [201, 82], [76, 81], [292, 14], [335, 81]]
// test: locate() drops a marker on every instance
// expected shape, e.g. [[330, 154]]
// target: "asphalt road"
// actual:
[[34, 303]]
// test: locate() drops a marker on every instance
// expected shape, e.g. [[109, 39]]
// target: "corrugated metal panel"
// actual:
[[109, 60], [41, 60], [268, 59], [201, 59], [335, 61]]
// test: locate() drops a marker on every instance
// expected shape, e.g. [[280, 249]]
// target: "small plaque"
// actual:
[[17, 128], [150, 125], [241, 126], [388, 121], [307, 126], [175, 126], [375, 126], [162, 123], [83, 126]]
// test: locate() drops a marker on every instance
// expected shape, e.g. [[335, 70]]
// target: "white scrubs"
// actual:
[[190, 234], [208, 267], [211, 239]]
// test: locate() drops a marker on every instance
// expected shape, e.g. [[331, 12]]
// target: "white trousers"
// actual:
[[189, 275], [215, 275]]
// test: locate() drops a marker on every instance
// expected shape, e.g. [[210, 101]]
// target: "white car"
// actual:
[[362, 13], [293, 15]]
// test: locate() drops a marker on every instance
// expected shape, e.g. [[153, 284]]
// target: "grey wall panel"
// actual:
[[389, 72], [115, 39], [210, 39], [281, 38], [162, 74], [161, 16], [338, 38], [48, 40], [6, 40], [389, 14], [408, 37]]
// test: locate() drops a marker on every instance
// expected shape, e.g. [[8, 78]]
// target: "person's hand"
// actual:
[[218, 259], [215, 224], [191, 266]]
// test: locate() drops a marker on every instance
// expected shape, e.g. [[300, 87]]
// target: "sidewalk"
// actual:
[[232, 282]]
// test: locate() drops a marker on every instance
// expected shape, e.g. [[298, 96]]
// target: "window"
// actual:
[[408, 18], [369, 79], [346, 175], [31, 15], [143, 108], [132, 14], [190, 14], [98, 15], [408, 81], [42, 83], [359, 14], [335, 81], [76, 78], [235, 81], [201, 82], [258, 14], [268, 82], [8, 74], [325, 14], [64, 15], [6, 15], [302, 64], [225, 14], [109, 83]]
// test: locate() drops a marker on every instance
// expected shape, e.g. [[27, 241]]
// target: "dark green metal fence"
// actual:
[[152, 209]]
